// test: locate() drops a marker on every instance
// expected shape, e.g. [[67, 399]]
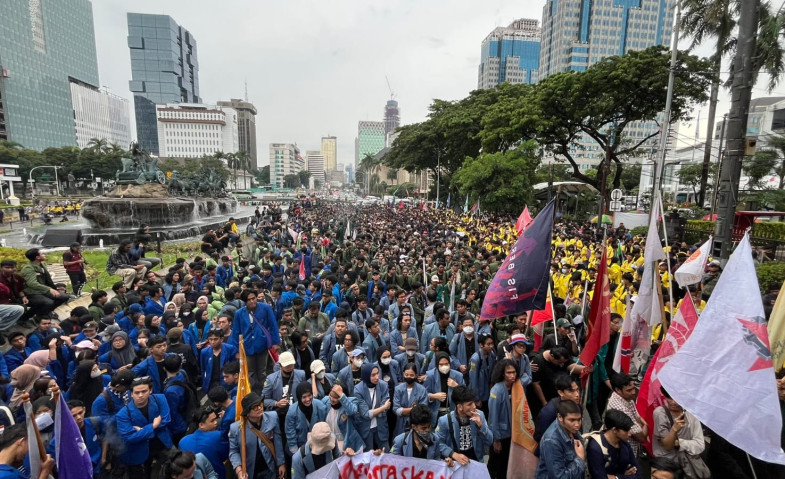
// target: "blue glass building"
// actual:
[[164, 69], [44, 45], [510, 54]]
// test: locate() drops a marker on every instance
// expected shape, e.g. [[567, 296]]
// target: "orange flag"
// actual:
[[243, 383]]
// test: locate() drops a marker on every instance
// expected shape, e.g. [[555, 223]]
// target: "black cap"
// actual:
[[249, 402]]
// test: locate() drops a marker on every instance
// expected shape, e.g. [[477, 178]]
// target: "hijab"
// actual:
[[25, 376], [85, 387], [148, 322], [126, 354], [172, 303], [439, 356], [304, 388], [200, 323], [39, 359], [366, 372]]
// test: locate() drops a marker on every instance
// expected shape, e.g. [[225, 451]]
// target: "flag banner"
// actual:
[[523, 221], [71, 454], [301, 273], [691, 271], [366, 465], [649, 396], [647, 304], [543, 315], [348, 233], [777, 331], [295, 235], [243, 382], [723, 374], [474, 207], [448, 200], [598, 328], [466, 205], [33, 452], [621, 359], [521, 284], [424, 274]]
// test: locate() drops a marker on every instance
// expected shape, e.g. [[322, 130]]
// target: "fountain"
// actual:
[[183, 207]]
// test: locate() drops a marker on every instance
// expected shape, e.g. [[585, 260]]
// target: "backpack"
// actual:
[[191, 403], [597, 437]]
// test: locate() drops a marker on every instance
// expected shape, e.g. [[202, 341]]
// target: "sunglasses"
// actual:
[[142, 380]]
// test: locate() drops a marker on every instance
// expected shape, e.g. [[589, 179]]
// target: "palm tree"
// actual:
[[370, 165], [244, 163], [705, 19], [98, 145], [233, 163]]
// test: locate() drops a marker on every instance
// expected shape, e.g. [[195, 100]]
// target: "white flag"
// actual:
[[647, 306], [32, 441], [692, 270], [723, 374]]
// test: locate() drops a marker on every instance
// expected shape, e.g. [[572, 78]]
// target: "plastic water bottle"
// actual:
[[24, 231], [101, 243], [2, 242]]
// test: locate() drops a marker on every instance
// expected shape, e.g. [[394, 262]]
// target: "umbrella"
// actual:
[[710, 217], [605, 220]]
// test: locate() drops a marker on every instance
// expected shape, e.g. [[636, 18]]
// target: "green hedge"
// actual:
[[769, 230], [772, 273], [698, 231]]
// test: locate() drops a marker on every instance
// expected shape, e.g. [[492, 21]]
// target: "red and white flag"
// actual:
[[599, 325], [621, 359], [301, 273], [650, 397], [692, 270], [647, 304], [295, 235], [723, 374], [523, 221]]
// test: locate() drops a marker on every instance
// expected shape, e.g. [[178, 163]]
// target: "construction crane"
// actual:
[[392, 93]]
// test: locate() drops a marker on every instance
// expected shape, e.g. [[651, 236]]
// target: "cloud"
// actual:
[[318, 67]]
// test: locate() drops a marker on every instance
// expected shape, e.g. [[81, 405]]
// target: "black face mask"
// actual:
[[426, 438], [410, 380], [336, 406]]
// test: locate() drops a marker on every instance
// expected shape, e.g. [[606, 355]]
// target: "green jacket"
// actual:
[[37, 279]]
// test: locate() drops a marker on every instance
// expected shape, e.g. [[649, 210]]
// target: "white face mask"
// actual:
[[95, 374], [358, 363], [410, 353], [468, 330], [444, 369], [320, 375], [386, 361], [186, 313]]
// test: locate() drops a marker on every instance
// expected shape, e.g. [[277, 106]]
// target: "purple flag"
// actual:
[[71, 454], [521, 284]]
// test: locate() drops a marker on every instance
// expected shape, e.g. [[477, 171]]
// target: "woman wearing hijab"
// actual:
[[302, 415], [46, 360], [88, 385], [199, 330], [22, 380], [373, 402], [121, 355], [440, 382], [152, 323], [186, 314]]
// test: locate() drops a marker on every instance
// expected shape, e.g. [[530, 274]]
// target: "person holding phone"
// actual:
[[677, 432]]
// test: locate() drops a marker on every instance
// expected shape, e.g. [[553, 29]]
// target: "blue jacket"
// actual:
[[394, 370], [525, 367], [403, 445], [419, 363], [433, 385], [14, 358], [347, 421], [252, 442], [458, 348], [370, 345], [557, 455], [212, 444], [329, 309], [401, 400], [196, 337], [346, 379], [500, 411], [224, 275], [177, 399], [321, 388], [92, 440], [340, 361], [153, 307], [169, 288], [273, 387], [3, 367], [371, 285], [103, 410], [432, 331], [480, 370], [138, 441], [254, 338], [396, 338], [206, 358], [302, 464], [148, 367], [364, 416], [298, 426], [228, 418], [482, 437], [328, 349]]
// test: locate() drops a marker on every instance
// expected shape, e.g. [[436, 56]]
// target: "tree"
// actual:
[[554, 171], [291, 181], [759, 166], [501, 180], [777, 143], [263, 175], [631, 177], [690, 175], [304, 176], [244, 164], [598, 105], [98, 145]]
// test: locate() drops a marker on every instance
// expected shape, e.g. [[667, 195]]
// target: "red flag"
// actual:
[[301, 275], [541, 316], [599, 325], [474, 208], [523, 221]]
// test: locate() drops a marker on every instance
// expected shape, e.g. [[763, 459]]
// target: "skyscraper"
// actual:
[[100, 114], [192, 130], [578, 33], [370, 139], [315, 165], [330, 152], [164, 69], [43, 45], [510, 54], [392, 116], [246, 123], [285, 160]]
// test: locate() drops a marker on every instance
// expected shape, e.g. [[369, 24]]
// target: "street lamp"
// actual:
[[30, 178]]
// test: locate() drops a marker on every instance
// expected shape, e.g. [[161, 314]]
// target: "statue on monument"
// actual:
[[141, 168]]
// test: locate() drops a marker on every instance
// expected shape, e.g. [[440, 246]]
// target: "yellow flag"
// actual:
[[777, 331], [243, 383]]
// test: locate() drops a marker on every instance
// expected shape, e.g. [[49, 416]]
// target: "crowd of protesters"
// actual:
[[362, 330]]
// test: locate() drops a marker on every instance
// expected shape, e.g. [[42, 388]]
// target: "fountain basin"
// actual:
[[108, 213]]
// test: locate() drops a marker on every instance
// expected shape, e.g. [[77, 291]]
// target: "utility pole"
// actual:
[[666, 121], [719, 167], [741, 93]]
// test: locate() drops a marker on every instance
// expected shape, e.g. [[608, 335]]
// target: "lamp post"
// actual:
[[30, 178]]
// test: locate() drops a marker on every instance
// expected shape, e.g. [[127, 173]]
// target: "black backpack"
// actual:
[[191, 403]]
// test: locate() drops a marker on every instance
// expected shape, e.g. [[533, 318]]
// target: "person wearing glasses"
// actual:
[[264, 457], [144, 427]]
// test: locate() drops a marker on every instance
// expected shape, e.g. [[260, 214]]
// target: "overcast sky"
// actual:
[[315, 68]]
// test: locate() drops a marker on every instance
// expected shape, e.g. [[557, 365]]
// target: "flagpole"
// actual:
[[667, 256], [243, 447], [553, 315], [752, 468], [585, 291]]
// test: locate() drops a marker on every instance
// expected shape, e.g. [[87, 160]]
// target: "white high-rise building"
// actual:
[[315, 161], [192, 130], [510, 54], [100, 114], [285, 160]]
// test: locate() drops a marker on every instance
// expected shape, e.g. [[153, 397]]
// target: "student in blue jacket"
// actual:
[[302, 416], [407, 395], [505, 373], [150, 367], [480, 369], [208, 440], [373, 402], [256, 323], [342, 419], [419, 442], [440, 384], [464, 345], [320, 450], [463, 434], [176, 393]]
